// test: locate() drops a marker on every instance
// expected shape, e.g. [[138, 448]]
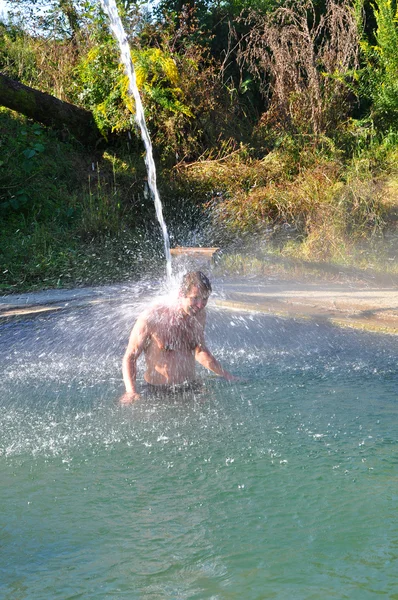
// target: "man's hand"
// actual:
[[129, 398]]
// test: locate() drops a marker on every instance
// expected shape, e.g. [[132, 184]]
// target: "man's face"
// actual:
[[194, 301]]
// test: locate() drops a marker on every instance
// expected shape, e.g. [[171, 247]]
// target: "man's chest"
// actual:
[[185, 336]]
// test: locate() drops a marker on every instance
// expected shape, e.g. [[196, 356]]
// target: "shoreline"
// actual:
[[351, 305]]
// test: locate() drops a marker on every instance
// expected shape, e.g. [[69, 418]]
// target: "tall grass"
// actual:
[[327, 209]]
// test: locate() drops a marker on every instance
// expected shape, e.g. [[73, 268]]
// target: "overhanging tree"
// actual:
[[49, 110]]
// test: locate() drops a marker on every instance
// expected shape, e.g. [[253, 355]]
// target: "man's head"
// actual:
[[195, 279], [195, 290]]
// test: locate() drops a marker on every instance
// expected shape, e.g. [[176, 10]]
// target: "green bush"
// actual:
[[63, 223], [378, 80], [103, 88]]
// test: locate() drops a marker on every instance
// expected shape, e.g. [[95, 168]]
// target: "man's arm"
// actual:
[[207, 360], [137, 341]]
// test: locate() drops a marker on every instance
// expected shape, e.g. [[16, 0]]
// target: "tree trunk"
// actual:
[[49, 110]]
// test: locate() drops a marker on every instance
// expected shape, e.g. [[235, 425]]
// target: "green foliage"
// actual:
[[212, 111], [158, 77], [24, 148], [378, 80], [62, 222], [17, 58], [187, 105], [73, 217], [103, 87]]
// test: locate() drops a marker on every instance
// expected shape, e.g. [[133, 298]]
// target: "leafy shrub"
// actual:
[[158, 78], [103, 87], [188, 108], [378, 79]]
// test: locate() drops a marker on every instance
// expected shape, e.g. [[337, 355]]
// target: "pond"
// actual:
[[283, 485]]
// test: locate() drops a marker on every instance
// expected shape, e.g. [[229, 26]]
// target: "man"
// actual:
[[172, 338]]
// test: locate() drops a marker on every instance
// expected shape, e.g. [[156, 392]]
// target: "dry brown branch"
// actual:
[[301, 61], [232, 47]]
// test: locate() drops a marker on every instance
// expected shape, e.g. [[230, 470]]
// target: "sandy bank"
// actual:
[[348, 305]]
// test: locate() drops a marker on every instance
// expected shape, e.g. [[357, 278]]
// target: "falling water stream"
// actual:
[[121, 37]]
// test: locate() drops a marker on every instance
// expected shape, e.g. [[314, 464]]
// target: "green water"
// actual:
[[282, 486]]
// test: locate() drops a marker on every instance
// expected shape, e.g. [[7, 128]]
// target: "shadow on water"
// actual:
[[281, 485]]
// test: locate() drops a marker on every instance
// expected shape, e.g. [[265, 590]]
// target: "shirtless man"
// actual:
[[172, 338]]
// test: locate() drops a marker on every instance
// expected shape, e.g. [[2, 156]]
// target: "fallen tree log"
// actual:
[[49, 110]]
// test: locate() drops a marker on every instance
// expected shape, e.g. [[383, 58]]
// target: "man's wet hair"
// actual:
[[195, 278]]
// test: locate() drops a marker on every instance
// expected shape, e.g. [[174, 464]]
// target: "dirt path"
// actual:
[[348, 305]]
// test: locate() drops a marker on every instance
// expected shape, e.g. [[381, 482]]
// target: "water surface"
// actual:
[[281, 486]]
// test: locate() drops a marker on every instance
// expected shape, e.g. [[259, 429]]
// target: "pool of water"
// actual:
[[281, 486]]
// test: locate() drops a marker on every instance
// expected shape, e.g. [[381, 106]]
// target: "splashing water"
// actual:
[[118, 31], [145, 501]]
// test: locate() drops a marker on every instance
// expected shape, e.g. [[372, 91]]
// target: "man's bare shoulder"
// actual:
[[154, 315]]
